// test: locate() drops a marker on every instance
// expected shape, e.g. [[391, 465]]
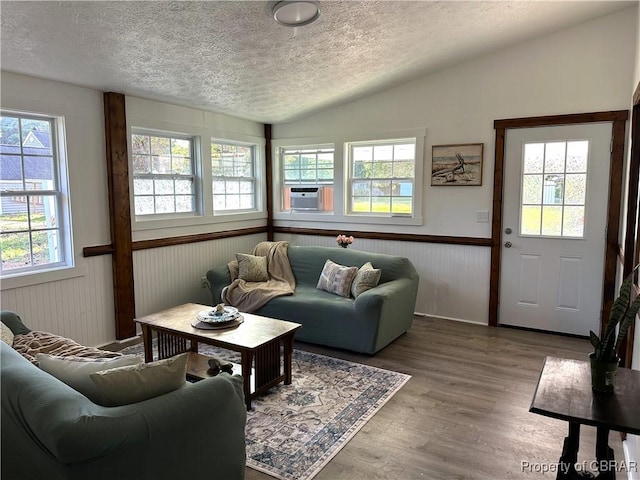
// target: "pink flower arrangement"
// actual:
[[344, 241]]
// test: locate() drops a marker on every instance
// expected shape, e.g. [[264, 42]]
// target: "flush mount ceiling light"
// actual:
[[296, 13]]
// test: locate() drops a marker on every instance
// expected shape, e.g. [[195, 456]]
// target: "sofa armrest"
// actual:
[[50, 422], [394, 294], [391, 305], [218, 278]]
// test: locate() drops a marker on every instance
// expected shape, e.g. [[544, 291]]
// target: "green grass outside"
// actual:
[[15, 246]]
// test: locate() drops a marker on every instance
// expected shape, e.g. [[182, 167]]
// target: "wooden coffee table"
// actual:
[[258, 339]]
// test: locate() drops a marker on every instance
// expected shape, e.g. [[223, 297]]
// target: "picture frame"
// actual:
[[457, 164]]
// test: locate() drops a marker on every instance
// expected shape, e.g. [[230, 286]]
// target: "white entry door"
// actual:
[[554, 227]]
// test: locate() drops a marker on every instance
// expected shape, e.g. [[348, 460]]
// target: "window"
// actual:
[[34, 209], [554, 185], [164, 180], [381, 177], [233, 177], [305, 167]]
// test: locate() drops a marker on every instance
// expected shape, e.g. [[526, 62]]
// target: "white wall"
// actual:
[[585, 68], [632, 443], [78, 304], [581, 69], [164, 117], [169, 276]]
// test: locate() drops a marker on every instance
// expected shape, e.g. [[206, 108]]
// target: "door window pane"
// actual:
[[554, 184], [573, 221], [530, 220], [551, 220], [531, 189], [533, 157]]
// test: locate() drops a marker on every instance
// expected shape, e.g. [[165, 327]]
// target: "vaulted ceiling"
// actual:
[[232, 57]]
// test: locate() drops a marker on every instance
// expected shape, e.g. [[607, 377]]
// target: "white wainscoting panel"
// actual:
[[169, 276], [80, 308], [454, 279]]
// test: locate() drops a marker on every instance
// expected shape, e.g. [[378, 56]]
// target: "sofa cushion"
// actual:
[[252, 268], [7, 335], [75, 371], [366, 278], [132, 384], [336, 278]]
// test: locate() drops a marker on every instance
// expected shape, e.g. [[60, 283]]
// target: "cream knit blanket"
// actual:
[[250, 296]]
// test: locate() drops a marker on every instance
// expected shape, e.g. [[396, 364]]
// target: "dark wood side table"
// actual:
[[564, 392]]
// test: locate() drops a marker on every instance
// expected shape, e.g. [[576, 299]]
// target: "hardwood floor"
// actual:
[[464, 413]]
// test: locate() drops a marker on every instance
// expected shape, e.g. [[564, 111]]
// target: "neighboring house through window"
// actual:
[[34, 209]]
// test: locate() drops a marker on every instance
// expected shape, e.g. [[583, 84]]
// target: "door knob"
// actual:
[[508, 244]]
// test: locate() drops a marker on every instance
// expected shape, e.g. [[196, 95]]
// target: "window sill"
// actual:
[[30, 279], [356, 219], [195, 220]]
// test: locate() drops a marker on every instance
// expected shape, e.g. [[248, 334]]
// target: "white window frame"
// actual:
[[341, 175], [563, 204], [196, 223], [320, 148], [26, 276], [349, 147], [255, 179], [168, 176]]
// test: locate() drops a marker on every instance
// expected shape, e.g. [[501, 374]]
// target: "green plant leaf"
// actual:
[[619, 309], [595, 341], [627, 321]]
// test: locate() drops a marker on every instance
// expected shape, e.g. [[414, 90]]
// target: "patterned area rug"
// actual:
[[295, 430]]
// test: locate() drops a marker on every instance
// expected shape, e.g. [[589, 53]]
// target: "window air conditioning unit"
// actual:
[[305, 198]]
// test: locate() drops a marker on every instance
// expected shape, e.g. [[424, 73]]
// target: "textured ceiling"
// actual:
[[232, 57]]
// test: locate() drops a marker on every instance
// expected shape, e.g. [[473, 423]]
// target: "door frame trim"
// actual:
[[618, 120]]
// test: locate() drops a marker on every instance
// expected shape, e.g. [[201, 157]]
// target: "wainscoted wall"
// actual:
[[169, 276], [453, 278], [80, 308]]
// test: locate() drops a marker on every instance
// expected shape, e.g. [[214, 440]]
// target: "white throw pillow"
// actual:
[[75, 371], [125, 385], [366, 278], [336, 278], [7, 335]]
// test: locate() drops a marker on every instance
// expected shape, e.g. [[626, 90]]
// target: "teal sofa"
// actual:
[[365, 324], [52, 432]]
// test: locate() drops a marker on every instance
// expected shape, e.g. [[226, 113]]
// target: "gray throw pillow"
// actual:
[[125, 385], [366, 278], [336, 278], [76, 371], [252, 268]]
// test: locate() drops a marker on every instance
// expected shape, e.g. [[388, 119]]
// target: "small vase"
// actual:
[[344, 245], [603, 374]]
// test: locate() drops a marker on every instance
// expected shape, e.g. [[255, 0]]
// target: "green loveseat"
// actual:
[[52, 432], [365, 324]]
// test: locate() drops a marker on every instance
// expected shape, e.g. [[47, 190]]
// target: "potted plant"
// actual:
[[604, 359]]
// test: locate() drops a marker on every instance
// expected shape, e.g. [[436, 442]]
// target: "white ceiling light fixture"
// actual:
[[296, 13]]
